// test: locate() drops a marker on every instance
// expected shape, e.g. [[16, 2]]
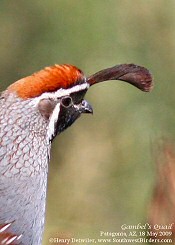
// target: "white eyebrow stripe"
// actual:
[[60, 93]]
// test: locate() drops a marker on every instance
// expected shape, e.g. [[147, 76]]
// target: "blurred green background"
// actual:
[[102, 168]]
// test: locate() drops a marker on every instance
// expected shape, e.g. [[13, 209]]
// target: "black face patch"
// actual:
[[71, 107], [77, 97], [66, 118]]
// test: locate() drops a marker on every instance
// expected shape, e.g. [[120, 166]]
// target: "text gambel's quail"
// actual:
[[33, 111]]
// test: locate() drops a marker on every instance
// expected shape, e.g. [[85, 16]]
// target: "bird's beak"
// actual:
[[86, 107]]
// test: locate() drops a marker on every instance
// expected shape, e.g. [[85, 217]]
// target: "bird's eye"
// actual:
[[66, 101]]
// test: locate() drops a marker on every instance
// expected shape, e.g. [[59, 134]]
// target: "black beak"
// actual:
[[86, 107]]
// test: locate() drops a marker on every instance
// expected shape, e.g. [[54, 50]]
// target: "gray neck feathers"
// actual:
[[24, 154]]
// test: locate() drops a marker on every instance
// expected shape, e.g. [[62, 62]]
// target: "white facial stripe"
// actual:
[[53, 119], [60, 93]]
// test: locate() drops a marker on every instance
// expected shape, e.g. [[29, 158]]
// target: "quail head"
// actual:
[[33, 111]]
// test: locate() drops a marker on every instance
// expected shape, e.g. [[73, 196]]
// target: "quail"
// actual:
[[33, 111]]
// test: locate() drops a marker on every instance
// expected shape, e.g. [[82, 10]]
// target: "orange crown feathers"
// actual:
[[49, 79], [55, 77]]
